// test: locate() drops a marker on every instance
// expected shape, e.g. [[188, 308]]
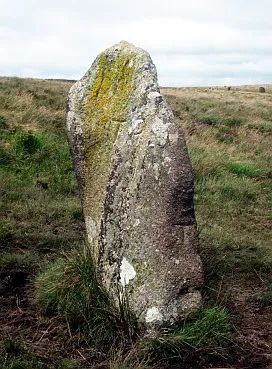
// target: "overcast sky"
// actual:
[[192, 42]]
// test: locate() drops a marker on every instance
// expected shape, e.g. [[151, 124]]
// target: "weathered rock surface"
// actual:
[[132, 164]]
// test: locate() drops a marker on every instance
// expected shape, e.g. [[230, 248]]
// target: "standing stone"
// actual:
[[261, 89], [132, 164]]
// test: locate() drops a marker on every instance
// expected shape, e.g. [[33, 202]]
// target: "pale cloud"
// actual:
[[196, 42]]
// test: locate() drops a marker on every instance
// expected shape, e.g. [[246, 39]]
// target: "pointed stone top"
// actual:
[[124, 46], [124, 43]]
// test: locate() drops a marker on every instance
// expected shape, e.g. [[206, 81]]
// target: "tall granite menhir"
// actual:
[[132, 164]]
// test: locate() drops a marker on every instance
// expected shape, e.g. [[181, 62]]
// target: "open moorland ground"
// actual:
[[228, 134]]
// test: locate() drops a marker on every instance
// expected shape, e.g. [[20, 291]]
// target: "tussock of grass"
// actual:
[[26, 143], [226, 135], [70, 287], [217, 120], [263, 127], [5, 233], [208, 333], [248, 170], [3, 122], [38, 156], [133, 359]]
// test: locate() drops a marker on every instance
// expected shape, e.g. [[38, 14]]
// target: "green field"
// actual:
[[228, 134]]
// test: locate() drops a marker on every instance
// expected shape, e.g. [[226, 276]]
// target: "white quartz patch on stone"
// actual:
[[153, 94], [153, 315], [136, 223], [136, 126], [127, 272], [156, 170], [91, 229], [167, 160], [173, 137], [160, 129]]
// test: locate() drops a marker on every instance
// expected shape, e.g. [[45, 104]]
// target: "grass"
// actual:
[[248, 170], [24, 260], [216, 120], [41, 224], [266, 297], [263, 127], [15, 356], [208, 332], [39, 211], [70, 288], [133, 359], [228, 136]]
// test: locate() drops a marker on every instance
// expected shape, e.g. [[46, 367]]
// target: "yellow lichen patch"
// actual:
[[105, 112]]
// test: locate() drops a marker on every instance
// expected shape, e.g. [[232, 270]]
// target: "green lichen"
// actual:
[[105, 113]]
